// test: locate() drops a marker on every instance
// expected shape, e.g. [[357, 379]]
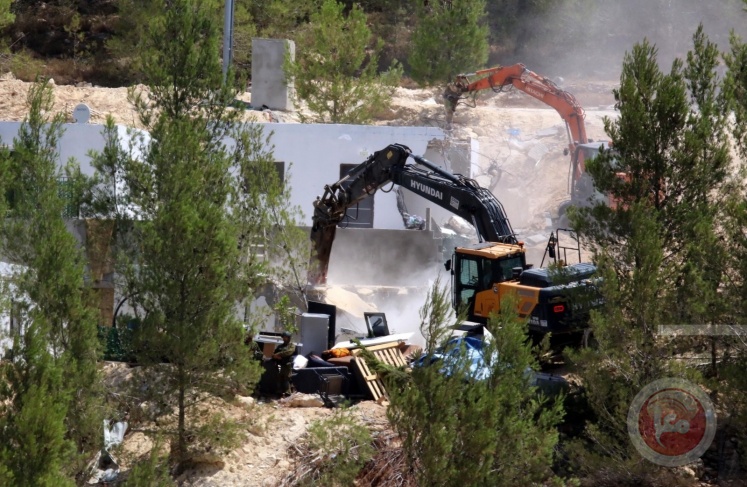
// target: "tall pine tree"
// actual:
[[51, 387], [192, 215], [336, 68], [660, 248], [450, 38]]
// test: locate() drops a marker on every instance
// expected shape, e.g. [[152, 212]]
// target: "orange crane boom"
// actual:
[[519, 76]]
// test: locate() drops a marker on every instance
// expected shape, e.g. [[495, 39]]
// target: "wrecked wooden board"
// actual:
[[370, 342], [374, 385], [387, 353]]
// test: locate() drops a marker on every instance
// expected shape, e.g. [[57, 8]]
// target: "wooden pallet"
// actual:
[[387, 353]]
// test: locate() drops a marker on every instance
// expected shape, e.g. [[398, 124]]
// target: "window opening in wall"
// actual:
[[360, 215]]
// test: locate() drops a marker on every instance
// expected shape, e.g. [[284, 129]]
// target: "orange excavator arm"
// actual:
[[518, 76]]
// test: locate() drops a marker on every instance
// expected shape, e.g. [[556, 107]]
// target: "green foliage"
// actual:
[[219, 435], [450, 38], [51, 392], [130, 45], [341, 447], [732, 357], [662, 243], [628, 355], [335, 70], [116, 344], [284, 246], [274, 19], [131, 27], [458, 429], [74, 31], [6, 15], [286, 313], [32, 425], [735, 89], [22, 64], [192, 217]]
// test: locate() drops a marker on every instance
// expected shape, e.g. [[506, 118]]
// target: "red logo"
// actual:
[[671, 422]]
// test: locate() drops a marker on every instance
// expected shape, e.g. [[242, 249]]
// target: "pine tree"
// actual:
[[53, 385], [192, 214], [462, 428], [450, 38], [6, 15], [660, 249], [335, 70], [732, 385], [32, 422]]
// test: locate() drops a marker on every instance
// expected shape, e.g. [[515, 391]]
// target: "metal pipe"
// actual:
[[227, 38]]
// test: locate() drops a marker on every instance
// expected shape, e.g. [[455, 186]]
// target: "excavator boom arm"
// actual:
[[458, 194], [539, 87], [329, 210]]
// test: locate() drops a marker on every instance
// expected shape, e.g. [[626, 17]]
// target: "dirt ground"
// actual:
[[519, 136]]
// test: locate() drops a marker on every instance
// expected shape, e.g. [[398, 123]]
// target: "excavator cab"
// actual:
[[477, 272], [551, 300]]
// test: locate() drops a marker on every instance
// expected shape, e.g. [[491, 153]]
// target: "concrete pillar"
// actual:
[[269, 87]]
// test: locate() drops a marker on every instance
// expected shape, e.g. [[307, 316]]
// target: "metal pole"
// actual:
[[227, 38]]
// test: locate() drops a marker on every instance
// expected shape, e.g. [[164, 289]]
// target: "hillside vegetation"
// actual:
[[99, 41]]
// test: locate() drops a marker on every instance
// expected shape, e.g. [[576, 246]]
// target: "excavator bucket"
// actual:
[[451, 97]]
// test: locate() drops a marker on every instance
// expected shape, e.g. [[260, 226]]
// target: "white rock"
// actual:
[[246, 400]]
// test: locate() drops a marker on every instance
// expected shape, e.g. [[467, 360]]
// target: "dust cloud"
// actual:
[[587, 40], [389, 270]]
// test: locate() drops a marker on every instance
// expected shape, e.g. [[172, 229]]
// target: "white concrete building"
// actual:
[[312, 156]]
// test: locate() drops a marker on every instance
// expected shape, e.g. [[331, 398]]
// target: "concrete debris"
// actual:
[[460, 226], [246, 400], [548, 132], [536, 239], [350, 302], [519, 145], [484, 180], [537, 152]]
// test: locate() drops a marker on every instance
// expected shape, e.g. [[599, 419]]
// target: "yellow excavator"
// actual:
[[554, 301]]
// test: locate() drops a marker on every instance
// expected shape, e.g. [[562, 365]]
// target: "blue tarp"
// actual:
[[449, 355], [473, 350]]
